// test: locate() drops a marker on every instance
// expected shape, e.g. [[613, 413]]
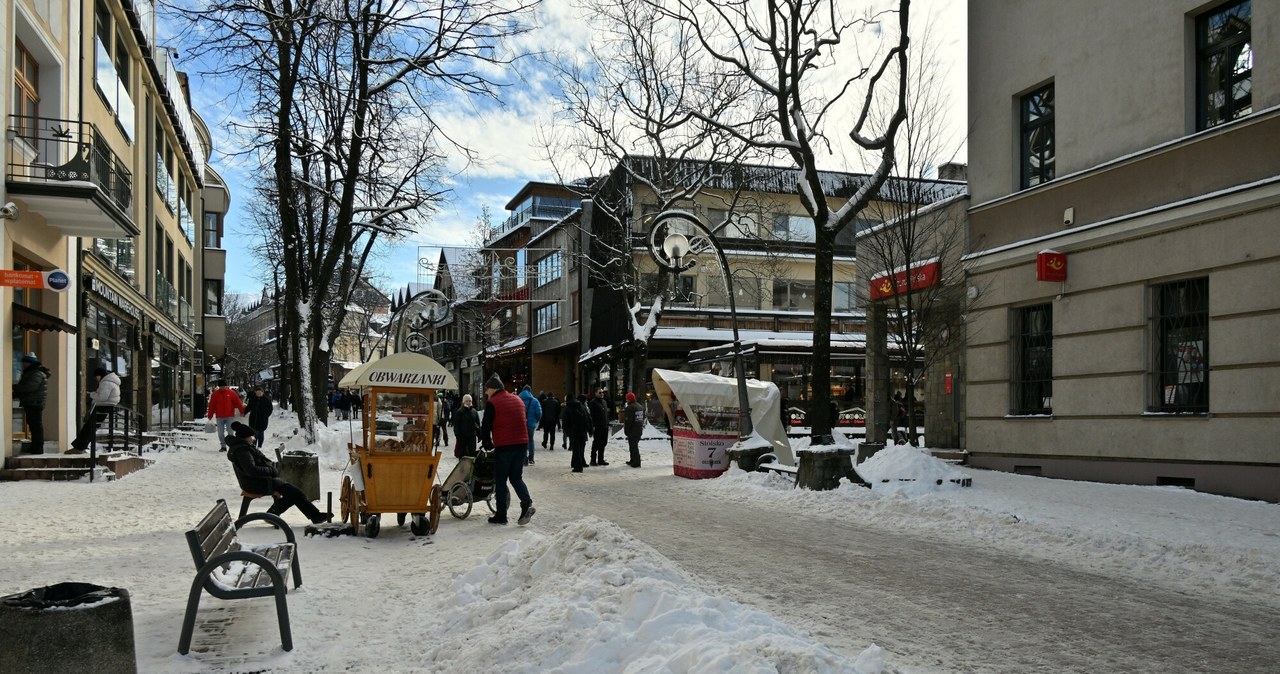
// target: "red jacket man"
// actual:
[[224, 403], [505, 432]]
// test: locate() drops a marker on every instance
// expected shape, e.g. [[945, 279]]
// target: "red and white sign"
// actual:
[[698, 456], [918, 276], [56, 280], [1051, 266]]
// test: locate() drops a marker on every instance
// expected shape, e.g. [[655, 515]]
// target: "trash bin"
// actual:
[[302, 469], [68, 627], [866, 450]]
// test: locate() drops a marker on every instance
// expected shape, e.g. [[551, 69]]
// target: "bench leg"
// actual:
[[282, 613], [189, 619], [244, 506]]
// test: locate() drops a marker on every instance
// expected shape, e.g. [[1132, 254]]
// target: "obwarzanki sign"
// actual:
[[436, 380]]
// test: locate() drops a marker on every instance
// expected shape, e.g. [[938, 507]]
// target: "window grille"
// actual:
[[1182, 347], [1033, 383]]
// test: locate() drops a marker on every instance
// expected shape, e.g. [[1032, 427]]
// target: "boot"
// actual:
[[526, 513]]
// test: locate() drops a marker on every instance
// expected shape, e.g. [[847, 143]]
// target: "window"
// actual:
[[793, 228], [549, 269], [111, 69], [26, 92], [683, 290], [211, 230], [746, 289], [1033, 346], [119, 254], [212, 297], [1182, 346], [1038, 149], [574, 307], [546, 318], [793, 295], [844, 297], [1224, 64]]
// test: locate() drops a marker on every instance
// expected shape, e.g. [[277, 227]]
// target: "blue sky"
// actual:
[[502, 133]]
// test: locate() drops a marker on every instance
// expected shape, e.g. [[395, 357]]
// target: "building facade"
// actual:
[[1131, 146], [105, 165]]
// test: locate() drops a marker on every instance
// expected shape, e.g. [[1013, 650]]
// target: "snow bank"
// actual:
[[907, 470]]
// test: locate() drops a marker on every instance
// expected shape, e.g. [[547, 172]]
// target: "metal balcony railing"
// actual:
[[45, 150]]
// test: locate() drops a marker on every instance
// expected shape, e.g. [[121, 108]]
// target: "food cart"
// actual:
[[702, 413], [393, 468]]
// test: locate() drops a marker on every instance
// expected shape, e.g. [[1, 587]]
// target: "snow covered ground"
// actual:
[[584, 596]]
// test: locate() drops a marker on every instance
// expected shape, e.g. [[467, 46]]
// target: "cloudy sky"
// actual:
[[505, 135]]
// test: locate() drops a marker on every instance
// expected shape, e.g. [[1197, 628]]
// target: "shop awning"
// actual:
[[30, 319]]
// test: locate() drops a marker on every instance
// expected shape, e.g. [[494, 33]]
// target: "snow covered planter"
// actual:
[[68, 627], [302, 468], [821, 468]]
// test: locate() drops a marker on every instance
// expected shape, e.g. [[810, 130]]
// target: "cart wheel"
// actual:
[[372, 526], [400, 519], [434, 508], [488, 500], [459, 500], [419, 524], [346, 498]]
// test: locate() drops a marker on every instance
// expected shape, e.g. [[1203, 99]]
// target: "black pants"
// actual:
[[466, 444], [291, 496], [35, 423], [598, 440], [578, 450], [508, 466], [89, 430], [634, 444], [549, 433]]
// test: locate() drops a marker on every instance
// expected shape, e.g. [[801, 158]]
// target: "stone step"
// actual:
[[60, 467], [46, 474]]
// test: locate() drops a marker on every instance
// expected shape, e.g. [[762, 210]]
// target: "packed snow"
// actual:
[[585, 596]]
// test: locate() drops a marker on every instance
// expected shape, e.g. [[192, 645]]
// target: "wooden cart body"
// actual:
[[397, 469]]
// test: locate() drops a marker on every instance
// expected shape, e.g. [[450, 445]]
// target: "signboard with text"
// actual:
[[55, 280], [1051, 266], [917, 277]]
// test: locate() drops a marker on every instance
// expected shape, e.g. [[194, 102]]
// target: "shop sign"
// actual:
[[165, 333], [55, 280], [111, 296], [1051, 266], [920, 276]]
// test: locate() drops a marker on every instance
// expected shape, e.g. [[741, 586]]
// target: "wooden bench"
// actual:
[[769, 462], [229, 569], [247, 497]]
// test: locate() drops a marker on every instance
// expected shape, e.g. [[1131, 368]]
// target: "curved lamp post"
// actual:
[[426, 309], [677, 253]]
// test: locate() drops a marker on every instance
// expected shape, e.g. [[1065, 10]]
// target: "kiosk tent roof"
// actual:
[[401, 370]]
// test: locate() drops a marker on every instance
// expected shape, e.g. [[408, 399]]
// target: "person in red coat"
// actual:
[[504, 431], [224, 404]]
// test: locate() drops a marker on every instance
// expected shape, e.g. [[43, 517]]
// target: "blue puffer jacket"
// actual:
[[532, 408]]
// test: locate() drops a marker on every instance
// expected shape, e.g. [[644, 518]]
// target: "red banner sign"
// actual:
[[21, 278], [920, 275], [1051, 266]]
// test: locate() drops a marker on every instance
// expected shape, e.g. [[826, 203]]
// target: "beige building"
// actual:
[[105, 168], [1155, 174]]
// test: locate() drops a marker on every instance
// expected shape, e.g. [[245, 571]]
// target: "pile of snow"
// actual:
[[910, 471], [590, 597]]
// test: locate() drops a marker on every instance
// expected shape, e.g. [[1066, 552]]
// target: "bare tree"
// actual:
[[340, 107], [786, 54], [914, 258]]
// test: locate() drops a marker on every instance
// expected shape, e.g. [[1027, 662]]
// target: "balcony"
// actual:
[[546, 212], [66, 173], [166, 296]]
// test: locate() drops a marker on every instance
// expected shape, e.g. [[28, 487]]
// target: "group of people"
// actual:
[[345, 403], [578, 419], [225, 404], [32, 392]]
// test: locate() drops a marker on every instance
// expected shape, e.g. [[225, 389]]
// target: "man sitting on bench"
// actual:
[[259, 475]]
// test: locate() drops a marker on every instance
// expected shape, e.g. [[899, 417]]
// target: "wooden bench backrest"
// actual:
[[215, 535]]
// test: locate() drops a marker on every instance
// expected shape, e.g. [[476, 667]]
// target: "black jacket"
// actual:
[[258, 410], [32, 389], [599, 415], [633, 420], [466, 422], [550, 412], [254, 471], [577, 423]]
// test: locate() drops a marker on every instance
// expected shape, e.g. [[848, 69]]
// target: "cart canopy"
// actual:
[[687, 389], [401, 370]]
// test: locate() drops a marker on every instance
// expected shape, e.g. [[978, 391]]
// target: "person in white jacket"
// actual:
[[101, 400]]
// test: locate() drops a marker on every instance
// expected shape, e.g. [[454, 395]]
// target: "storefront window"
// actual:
[[164, 387], [109, 340]]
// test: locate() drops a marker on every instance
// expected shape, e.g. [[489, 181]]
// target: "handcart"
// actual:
[[470, 481], [393, 468]]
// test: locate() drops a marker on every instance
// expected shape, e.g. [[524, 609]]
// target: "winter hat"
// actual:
[[99, 371], [495, 382], [466, 400], [631, 397], [526, 387], [241, 430], [30, 358]]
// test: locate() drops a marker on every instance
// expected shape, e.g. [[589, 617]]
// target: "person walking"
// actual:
[[577, 426], [599, 428], [32, 391], [258, 410], [533, 415], [466, 424], [224, 404], [550, 419], [633, 426], [564, 439], [259, 475], [505, 431], [103, 398], [446, 414]]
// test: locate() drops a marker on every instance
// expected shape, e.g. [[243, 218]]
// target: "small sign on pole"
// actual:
[[1051, 266]]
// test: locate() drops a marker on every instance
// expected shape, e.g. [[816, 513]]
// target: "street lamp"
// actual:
[[676, 253]]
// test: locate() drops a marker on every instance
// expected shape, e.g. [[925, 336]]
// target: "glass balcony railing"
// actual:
[[166, 296], [59, 150], [114, 90], [524, 215], [186, 317]]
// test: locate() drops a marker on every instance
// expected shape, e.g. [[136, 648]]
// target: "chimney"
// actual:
[[953, 171]]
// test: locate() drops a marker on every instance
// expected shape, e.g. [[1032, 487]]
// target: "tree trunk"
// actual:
[[820, 421]]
